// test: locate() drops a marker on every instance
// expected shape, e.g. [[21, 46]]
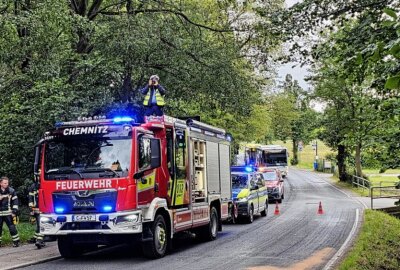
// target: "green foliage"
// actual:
[[64, 59], [292, 116], [25, 231]]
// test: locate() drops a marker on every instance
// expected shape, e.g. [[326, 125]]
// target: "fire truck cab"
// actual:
[[110, 181]]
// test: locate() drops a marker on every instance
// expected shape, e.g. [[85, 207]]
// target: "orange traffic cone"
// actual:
[[320, 210], [277, 212]]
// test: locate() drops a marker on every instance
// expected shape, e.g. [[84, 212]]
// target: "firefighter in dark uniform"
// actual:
[[35, 213], [8, 209], [154, 97]]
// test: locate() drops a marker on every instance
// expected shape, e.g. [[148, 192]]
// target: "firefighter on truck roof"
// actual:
[[8, 209], [154, 97], [35, 214]]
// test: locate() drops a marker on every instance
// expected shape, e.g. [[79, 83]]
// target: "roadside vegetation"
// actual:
[[377, 246], [354, 74], [306, 157], [26, 231]]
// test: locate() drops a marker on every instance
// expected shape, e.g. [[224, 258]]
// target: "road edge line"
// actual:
[[33, 263], [340, 252]]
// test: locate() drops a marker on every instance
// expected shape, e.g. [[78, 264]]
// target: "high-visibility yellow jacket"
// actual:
[[151, 91], [34, 197]]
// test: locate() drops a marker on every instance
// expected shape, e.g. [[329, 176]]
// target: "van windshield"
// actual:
[[239, 181]]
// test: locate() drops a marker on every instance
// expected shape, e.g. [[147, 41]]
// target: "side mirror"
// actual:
[[37, 160], [138, 175], [155, 153]]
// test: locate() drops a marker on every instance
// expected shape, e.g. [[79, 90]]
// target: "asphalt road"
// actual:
[[298, 238]]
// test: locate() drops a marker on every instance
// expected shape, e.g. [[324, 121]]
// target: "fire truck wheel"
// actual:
[[67, 248], [250, 217], [210, 231], [156, 248], [265, 211]]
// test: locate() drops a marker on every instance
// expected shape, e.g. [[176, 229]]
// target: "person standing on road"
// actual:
[[8, 209], [154, 97], [35, 213]]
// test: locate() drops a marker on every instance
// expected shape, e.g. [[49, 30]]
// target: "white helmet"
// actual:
[[154, 78]]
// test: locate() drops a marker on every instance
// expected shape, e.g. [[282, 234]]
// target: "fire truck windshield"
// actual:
[[87, 158]]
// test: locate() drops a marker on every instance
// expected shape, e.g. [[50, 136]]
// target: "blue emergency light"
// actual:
[[249, 169], [122, 119], [59, 210], [107, 208]]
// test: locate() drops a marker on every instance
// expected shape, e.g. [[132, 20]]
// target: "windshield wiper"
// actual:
[[107, 171], [66, 171]]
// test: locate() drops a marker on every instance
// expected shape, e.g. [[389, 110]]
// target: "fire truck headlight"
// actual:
[[47, 220], [128, 218]]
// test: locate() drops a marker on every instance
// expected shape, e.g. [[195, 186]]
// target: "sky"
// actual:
[[298, 73]]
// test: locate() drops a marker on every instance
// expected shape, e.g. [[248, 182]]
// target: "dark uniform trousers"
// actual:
[[8, 220]]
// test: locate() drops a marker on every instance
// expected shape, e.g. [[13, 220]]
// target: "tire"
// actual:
[[210, 231], [68, 249], [157, 246], [265, 211], [250, 217]]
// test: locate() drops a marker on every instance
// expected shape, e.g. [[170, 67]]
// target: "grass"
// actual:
[[376, 171], [377, 246], [307, 155], [25, 231], [386, 180], [375, 181]]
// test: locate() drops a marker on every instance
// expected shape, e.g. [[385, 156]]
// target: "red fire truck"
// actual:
[[109, 181]]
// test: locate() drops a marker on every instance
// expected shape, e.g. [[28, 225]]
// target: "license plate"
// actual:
[[83, 218]]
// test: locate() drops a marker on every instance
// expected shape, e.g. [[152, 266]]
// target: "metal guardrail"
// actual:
[[361, 182], [391, 192], [387, 189]]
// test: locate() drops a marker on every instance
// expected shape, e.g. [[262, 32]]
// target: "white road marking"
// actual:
[[340, 252]]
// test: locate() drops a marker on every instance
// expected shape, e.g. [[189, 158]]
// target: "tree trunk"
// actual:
[[358, 160], [126, 90], [341, 158], [295, 159]]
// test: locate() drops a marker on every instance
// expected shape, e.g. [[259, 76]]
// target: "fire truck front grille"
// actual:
[[85, 201]]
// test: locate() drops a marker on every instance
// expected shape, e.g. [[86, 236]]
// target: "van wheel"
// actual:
[[265, 211], [250, 217], [157, 246], [68, 249], [210, 231]]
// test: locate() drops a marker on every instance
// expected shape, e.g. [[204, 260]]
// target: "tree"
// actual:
[[292, 116], [64, 59]]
